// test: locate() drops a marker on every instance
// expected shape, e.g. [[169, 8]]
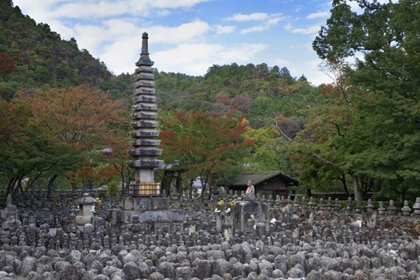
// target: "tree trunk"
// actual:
[[191, 188], [51, 185], [210, 183], [357, 184], [73, 186], [178, 183], [343, 180]]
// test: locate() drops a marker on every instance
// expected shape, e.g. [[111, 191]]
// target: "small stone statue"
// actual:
[[250, 191]]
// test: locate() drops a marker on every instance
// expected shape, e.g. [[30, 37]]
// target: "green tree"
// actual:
[[29, 152], [385, 139]]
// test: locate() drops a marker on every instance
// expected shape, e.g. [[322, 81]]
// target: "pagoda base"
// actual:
[[152, 213]]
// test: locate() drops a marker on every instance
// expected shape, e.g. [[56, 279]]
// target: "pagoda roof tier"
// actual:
[[144, 68], [145, 152], [145, 142], [145, 98], [144, 83], [144, 60], [145, 133], [144, 90], [144, 124], [144, 115], [145, 106], [145, 76], [146, 163]]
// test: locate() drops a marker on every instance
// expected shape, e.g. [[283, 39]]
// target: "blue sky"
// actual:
[[189, 36]]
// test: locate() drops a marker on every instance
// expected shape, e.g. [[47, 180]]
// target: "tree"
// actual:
[[80, 116], [204, 145], [29, 152], [270, 152], [241, 103], [384, 141]]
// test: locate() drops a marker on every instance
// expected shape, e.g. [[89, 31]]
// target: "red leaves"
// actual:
[[7, 64]]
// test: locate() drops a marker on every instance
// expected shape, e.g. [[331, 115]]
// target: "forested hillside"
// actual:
[[43, 59]]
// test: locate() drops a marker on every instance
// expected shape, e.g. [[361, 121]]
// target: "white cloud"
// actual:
[[169, 3], [82, 9], [65, 32], [118, 41], [187, 32], [307, 31], [91, 37], [195, 59], [265, 26], [225, 29], [249, 17], [273, 21], [318, 15], [120, 56], [102, 9], [253, 29], [288, 26]]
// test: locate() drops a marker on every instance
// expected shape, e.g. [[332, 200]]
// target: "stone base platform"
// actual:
[[244, 209], [152, 211]]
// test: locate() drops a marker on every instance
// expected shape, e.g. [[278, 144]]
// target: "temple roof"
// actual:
[[258, 177]]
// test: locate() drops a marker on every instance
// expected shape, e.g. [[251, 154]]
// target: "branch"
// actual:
[[282, 132], [338, 130], [315, 155], [312, 154]]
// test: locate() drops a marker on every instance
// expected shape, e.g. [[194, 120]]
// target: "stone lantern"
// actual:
[[86, 204]]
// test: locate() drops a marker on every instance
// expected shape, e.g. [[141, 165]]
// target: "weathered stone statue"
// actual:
[[250, 191]]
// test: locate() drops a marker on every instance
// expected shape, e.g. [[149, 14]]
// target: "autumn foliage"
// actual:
[[205, 145], [78, 115], [62, 133], [8, 63]]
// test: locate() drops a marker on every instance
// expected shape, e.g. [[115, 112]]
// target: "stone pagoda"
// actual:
[[144, 152], [145, 198]]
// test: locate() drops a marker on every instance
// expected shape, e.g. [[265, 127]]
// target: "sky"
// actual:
[[190, 36]]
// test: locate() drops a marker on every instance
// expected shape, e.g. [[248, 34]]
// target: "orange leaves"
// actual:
[[77, 115]]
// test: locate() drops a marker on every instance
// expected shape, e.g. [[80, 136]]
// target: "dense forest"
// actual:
[[61, 109]]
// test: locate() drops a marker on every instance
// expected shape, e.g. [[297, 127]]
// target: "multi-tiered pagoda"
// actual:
[[145, 151], [145, 201]]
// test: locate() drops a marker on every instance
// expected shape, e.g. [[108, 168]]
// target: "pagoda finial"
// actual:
[[144, 45], [144, 55]]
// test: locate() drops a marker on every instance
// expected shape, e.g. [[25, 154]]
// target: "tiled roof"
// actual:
[[258, 177]]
